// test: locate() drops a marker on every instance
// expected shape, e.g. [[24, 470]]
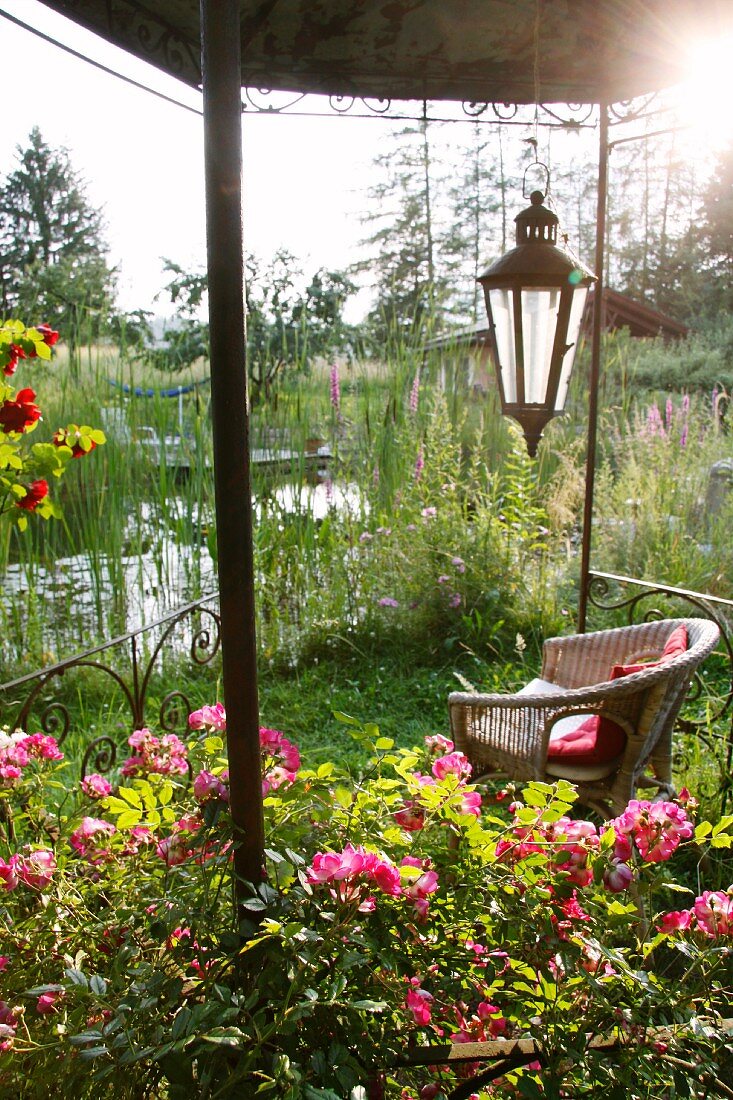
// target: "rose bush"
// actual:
[[26, 469], [399, 908]]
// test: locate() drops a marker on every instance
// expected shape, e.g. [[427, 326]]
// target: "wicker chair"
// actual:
[[510, 734]]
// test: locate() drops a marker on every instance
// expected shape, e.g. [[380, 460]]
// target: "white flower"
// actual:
[[7, 739]]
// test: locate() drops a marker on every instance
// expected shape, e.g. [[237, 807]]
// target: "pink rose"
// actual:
[[387, 877], [46, 1003], [96, 786], [208, 787], [418, 1002], [455, 763], [9, 873], [36, 868], [88, 839], [42, 746], [470, 803], [714, 913], [411, 817], [617, 877], [677, 921], [209, 717], [438, 743]]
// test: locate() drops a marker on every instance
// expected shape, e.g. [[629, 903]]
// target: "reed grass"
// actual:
[[406, 436]]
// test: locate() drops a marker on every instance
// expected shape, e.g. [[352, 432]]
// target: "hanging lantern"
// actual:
[[535, 297]]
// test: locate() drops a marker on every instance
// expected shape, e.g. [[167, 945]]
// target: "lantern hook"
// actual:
[[536, 164]]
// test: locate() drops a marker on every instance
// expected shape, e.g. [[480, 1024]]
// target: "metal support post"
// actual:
[[595, 368], [221, 65]]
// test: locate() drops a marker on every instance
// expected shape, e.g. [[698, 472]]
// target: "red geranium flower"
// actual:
[[50, 336], [13, 352], [34, 494], [16, 416]]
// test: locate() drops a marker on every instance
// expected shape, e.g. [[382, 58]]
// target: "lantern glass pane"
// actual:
[[574, 322], [502, 314], [539, 321]]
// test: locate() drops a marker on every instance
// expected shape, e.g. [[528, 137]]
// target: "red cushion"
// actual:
[[599, 740], [584, 745], [675, 645]]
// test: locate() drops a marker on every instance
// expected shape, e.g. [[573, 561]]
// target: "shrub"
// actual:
[[398, 908]]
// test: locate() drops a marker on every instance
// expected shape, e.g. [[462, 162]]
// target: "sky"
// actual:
[[142, 159]]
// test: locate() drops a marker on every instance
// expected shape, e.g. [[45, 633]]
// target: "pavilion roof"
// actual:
[[470, 50]]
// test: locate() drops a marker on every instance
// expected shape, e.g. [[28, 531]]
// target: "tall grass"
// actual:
[[356, 559]]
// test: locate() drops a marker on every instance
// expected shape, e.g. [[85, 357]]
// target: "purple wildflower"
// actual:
[[388, 601], [419, 464], [329, 491], [668, 413], [429, 512], [459, 564], [375, 476], [335, 388], [654, 425], [683, 437], [455, 600], [414, 392], [365, 537], [443, 578]]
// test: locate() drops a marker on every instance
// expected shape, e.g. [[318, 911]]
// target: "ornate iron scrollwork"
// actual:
[[629, 110], [174, 710], [102, 751], [38, 710], [266, 101]]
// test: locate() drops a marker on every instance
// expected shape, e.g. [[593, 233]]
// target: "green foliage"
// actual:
[[717, 232], [25, 469], [404, 241], [697, 363], [394, 914], [652, 514], [287, 326], [54, 256]]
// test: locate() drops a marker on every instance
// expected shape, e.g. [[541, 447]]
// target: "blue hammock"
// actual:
[[138, 391]]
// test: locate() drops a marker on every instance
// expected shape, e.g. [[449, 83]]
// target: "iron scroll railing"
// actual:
[[129, 662], [638, 600]]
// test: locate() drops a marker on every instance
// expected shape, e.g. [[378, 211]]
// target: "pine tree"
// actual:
[[717, 233], [403, 251], [656, 246], [478, 219], [53, 256]]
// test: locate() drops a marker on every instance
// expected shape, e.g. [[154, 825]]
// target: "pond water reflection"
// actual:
[[167, 560]]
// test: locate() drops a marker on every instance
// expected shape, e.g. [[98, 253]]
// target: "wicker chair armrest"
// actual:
[[512, 728]]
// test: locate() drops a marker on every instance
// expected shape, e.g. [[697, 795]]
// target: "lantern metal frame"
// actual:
[[527, 368]]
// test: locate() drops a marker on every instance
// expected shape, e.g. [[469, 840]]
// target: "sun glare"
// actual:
[[706, 97]]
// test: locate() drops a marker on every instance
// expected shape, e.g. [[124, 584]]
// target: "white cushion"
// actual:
[[540, 687], [546, 687], [578, 773]]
